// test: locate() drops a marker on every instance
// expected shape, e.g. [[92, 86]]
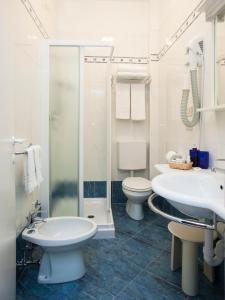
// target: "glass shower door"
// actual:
[[64, 130]]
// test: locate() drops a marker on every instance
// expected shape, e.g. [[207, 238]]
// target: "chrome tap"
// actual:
[[33, 219], [34, 223]]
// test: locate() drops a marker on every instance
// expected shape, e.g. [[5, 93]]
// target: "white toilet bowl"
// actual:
[[61, 239], [137, 190]]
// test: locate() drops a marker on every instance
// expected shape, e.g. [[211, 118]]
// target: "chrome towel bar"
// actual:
[[23, 152]]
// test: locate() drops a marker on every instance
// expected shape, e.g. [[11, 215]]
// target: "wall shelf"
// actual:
[[130, 80], [212, 108]]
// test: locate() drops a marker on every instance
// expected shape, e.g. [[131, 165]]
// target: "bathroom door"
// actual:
[[64, 94], [7, 182]]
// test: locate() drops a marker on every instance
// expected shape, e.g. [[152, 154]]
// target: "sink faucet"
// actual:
[[214, 169]]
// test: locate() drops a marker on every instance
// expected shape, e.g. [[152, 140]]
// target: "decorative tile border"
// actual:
[[117, 60], [97, 189], [92, 189], [117, 192], [35, 18]]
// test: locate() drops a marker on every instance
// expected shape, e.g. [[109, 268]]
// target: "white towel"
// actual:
[[138, 102], [29, 170], [37, 160], [123, 101]]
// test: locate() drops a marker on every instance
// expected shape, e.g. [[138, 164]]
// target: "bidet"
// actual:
[[61, 239]]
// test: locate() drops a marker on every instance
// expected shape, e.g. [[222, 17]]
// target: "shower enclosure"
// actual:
[[76, 132]]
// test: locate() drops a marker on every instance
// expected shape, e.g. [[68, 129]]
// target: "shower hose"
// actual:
[[196, 101]]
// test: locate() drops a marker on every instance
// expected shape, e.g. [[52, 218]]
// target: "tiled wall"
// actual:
[[92, 189], [117, 192], [97, 189], [169, 73], [25, 41], [128, 24], [173, 135]]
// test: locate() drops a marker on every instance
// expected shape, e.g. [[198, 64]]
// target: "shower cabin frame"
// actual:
[[104, 230]]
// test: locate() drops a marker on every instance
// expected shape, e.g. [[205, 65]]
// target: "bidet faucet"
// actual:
[[33, 218], [34, 223], [219, 168]]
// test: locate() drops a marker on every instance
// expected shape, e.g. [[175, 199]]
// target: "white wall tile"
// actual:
[[25, 85], [173, 134]]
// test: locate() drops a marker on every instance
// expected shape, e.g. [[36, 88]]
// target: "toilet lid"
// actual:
[[137, 184]]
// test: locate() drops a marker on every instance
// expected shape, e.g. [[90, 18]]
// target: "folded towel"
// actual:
[[138, 102], [123, 101], [29, 170], [37, 160]]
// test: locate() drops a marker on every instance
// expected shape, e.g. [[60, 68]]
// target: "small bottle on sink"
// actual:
[[194, 156]]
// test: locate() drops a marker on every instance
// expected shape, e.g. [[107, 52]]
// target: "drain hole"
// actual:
[[91, 216], [221, 187], [30, 231]]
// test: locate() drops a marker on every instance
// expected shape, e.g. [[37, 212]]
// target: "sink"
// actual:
[[197, 195]]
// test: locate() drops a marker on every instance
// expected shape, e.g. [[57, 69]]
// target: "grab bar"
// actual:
[[177, 219]]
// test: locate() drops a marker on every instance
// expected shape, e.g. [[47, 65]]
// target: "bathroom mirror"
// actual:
[[220, 60]]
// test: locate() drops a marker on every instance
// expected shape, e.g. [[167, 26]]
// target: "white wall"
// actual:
[[25, 41], [128, 23], [7, 191], [19, 117], [95, 122], [173, 134], [156, 120]]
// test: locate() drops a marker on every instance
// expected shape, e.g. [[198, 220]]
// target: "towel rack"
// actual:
[[145, 79], [23, 152]]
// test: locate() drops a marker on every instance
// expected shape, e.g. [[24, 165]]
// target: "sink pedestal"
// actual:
[[190, 268], [184, 253]]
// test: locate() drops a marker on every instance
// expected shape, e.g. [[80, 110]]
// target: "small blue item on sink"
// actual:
[[194, 156], [203, 159]]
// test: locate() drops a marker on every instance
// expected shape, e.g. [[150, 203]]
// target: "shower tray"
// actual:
[[96, 209]]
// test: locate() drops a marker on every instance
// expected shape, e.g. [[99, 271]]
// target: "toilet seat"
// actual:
[[137, 184]]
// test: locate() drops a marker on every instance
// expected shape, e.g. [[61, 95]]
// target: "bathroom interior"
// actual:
[[112, 149]]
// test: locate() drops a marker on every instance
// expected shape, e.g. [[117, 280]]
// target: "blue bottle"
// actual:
[[203, 159], [194, 156]]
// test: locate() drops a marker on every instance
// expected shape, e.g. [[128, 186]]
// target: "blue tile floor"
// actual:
[[133, 266]]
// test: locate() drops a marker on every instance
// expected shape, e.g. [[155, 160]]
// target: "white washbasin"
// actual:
[[195, 194]]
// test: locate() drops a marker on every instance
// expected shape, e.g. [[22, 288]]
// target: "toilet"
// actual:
[[61, 239], [132, 157]]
